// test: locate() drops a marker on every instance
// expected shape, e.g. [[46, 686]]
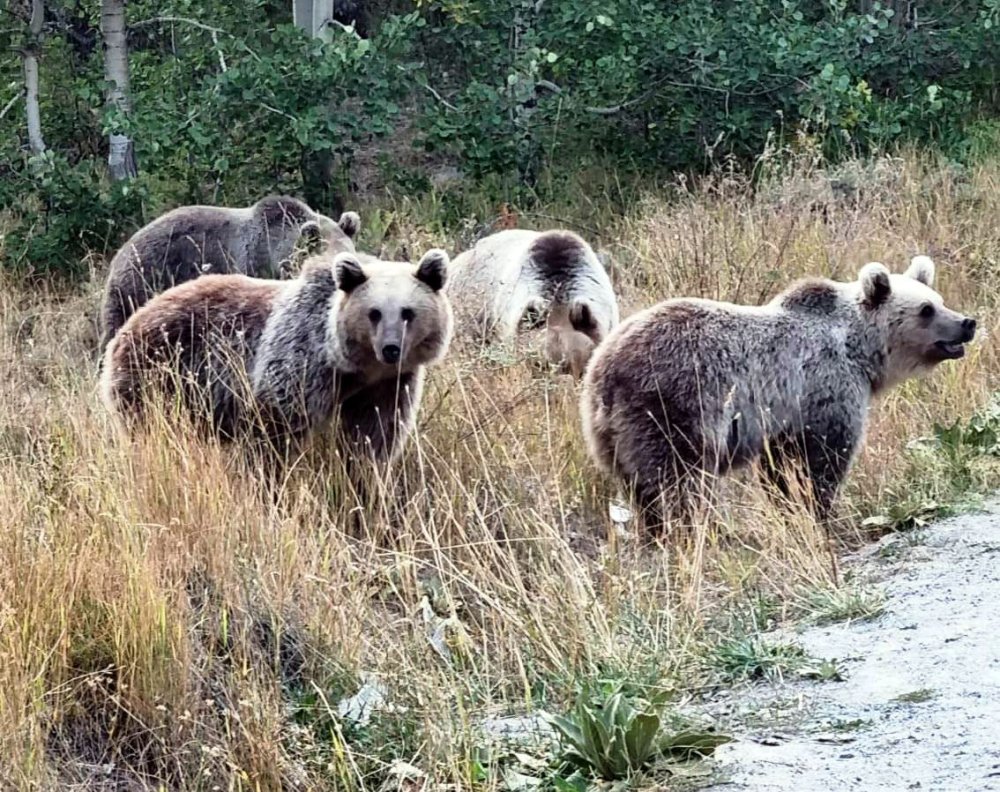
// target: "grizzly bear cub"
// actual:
[[689, 389], [344, 341], [190, 241]]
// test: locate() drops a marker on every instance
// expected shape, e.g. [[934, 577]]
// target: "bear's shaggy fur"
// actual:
[[279, 359], [690, 388], [190, 241], [521, 280]]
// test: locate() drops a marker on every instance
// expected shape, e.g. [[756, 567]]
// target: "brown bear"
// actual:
[[276, 360], [190, 241], [689, 389], [522, 281]]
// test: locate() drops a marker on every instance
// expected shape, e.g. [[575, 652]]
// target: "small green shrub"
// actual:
[[64, 212], [614, 738]]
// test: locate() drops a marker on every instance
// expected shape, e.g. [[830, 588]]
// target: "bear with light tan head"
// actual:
[[345, 341], [690, 389], [265, 240]]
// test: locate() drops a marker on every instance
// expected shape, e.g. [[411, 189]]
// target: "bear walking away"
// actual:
[[690, 388], [520, 280], [277, 360], [190, 241]]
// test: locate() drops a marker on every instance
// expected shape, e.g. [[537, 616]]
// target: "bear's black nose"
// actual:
[[968, 328], [390, 353]]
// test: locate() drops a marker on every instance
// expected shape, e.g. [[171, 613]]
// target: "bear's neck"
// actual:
[[870, 349]]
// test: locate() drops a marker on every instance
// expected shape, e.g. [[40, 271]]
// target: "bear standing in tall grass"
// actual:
[[344, 341], [690, 388], [519, 279], [192, 241]]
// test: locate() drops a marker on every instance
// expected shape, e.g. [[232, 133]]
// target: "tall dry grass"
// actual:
[[164, 624]]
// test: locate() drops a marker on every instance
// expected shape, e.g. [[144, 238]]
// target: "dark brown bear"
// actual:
[[190, 241]]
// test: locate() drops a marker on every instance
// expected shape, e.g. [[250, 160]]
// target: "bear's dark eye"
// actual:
[[375, 315], [407, 315], [927, 311]]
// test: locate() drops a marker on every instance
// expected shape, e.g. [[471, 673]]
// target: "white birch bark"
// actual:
[[121, 151], [36, 141]]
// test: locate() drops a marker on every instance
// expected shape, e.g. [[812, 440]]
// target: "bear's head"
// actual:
[[323, 235], [572, 332], [288, 232], [392, 315], [920, 331]]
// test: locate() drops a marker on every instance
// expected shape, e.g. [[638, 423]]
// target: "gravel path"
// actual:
[[920, 704]]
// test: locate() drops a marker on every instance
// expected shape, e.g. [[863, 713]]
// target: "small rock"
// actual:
[[359, 707], [525, 729], [620, 515]]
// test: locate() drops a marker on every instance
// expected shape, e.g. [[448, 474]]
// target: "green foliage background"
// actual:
[[231, 101]]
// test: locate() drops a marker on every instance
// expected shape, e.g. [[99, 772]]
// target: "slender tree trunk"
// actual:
[[311, 15], [121, 151], [317, 167], [904, 11], [34, 117], [302, 14]]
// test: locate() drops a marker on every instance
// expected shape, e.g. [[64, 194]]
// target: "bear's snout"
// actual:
[[953, 347], [390, 353]]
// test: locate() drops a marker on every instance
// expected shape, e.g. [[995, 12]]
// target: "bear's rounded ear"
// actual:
[[433, 269], [350, 275], [311, 236], [582, 318], [350, 223], [875, 283], [921, 269]]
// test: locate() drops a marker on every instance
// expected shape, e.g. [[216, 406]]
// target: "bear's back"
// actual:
[[196, 340], [188, 242], [177, 247]]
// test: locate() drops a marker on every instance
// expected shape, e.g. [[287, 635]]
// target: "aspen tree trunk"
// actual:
[[904, 11], [316, 167], [311, 15], [524, 92], [30, 58], [121, 151]]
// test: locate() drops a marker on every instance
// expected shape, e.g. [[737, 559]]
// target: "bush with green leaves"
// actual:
[[231, 101], [78, 211], [679, 84]]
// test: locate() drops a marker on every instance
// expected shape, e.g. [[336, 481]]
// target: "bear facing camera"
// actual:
[[349, 340], [689, 389], [261, 241]]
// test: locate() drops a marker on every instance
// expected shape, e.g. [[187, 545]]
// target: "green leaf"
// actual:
[[691, 744], [569, 730], [576, 782], [641, 738]]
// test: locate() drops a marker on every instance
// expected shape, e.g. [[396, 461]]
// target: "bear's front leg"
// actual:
[[827, 448]]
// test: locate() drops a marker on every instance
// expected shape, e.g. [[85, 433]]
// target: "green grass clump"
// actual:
[[843, 603]]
